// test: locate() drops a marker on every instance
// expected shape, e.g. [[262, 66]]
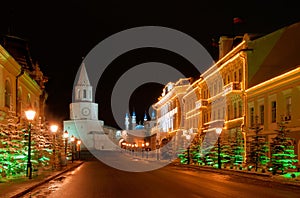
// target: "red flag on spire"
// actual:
[[237, 20]]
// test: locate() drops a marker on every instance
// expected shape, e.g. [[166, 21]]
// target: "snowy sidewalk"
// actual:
[[249, 174], [17, 187]]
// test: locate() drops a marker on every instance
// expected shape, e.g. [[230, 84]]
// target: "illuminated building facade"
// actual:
[[170, 113], [254, 76], [273, 84], [21, 80]]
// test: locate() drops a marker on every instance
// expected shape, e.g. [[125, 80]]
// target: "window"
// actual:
[[7, 94], [228, 79], [251, 116], [262, 114], [235, 80], [288, 108], [273, 108], [84, 93], [240, 108], [240, 75], [235, 110], [228, 112]]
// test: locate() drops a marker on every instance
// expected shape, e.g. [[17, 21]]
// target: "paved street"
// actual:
[[95, 179]]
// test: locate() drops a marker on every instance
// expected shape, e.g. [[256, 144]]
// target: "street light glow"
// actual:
[[53, 128], [218, 131], [72, 138], [66, 134], [30, 114]]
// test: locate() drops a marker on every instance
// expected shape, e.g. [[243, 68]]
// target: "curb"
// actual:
[[256, 176], [45, 181]]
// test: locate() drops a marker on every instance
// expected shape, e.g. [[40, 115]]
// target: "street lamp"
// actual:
[[143, 145], [219, 131], [54, 129], [78, 145], [147, 149], [30, 116], [72, 147], [66, 135]]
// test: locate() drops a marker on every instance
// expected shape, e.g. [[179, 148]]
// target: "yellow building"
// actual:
[[21, 81], [273, 84], [254, 76]]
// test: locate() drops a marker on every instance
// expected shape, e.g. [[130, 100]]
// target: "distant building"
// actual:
[[138, 134], [84, 123]]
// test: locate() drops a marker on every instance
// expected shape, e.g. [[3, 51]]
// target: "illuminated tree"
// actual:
[[258, 149], [283, 156], [14, 147]]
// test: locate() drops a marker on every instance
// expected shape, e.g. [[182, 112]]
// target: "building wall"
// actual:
[[285, 91], [29, 91]]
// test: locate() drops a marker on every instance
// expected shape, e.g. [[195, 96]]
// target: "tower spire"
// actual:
[[83, 89], [83, 79]]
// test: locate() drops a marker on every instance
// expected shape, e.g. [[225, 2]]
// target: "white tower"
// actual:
[[83, 107], [84, 123], [153, 115], [133, 120], [127, 122]]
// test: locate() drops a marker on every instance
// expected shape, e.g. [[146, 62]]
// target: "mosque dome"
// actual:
[[139, 127]]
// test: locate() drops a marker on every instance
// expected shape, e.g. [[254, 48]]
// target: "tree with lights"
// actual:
[[283, 156], [14, 147], [257, 156]]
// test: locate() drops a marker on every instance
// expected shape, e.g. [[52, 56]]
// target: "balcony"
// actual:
[[201, 103], [231, 87]]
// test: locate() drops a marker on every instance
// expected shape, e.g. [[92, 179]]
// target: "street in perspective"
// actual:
[[178, 101]]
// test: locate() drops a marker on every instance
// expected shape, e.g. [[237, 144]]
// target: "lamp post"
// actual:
[[219, 131], [147, 149], [143, 145], [157, 150], [136, 149], [30, 116], [78, 148], [72, 147], [66, 135], [53, 129]]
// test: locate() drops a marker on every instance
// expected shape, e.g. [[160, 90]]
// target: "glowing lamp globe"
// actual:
[[72, 138], [218, 130], [30, 114], [53, 128], [66, 134]]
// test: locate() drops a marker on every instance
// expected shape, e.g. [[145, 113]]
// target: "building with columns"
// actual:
[[255, 76]]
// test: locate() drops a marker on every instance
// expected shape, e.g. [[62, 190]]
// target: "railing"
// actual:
[[231, 87], [201, 103]]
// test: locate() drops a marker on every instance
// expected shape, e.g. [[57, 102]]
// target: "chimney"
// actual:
[[225, 45]]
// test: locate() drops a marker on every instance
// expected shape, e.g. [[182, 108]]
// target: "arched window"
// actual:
[[84, 93], [78, 93], [7, 94]]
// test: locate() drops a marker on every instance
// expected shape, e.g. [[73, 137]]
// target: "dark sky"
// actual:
[[60, 33]]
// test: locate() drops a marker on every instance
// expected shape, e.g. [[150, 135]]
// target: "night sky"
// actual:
[[61, 33]]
